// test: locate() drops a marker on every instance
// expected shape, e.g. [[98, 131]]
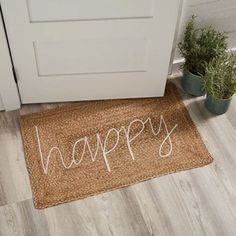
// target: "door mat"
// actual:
[[88, 148]]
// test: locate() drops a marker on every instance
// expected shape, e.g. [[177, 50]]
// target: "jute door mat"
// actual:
[[92, 147]]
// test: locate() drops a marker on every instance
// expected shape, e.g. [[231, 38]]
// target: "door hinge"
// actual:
[[14, 74]]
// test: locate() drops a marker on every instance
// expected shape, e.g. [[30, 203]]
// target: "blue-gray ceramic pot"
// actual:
[[216, 105], [192, 84]]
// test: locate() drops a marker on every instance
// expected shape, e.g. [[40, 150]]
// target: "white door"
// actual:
[[67, 50]]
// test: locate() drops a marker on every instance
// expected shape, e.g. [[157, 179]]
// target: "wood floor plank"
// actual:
[[14, 182], [22, 219], [196, 202]]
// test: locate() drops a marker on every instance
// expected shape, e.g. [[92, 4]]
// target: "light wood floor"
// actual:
[[197, 202]]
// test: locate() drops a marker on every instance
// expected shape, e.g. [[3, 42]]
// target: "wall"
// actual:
[[219, 13]]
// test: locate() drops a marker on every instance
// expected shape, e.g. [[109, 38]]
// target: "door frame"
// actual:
[[9, 96]]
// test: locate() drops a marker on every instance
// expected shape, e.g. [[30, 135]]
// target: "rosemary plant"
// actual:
[[200, 46], [220, 77]]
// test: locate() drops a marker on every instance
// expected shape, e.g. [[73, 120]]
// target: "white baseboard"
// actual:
[[180, 61], [1, 104], [177, 64]]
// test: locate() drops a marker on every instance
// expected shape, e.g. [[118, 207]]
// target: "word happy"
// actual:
[[102, 145]]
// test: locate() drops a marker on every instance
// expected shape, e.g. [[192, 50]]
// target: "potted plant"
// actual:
[[199, 47], [220, 83]]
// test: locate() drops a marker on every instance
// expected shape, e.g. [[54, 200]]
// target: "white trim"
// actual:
[[177, 30], [1, 104], [8, 88], [180, 61], [176, 65], [232, 50]]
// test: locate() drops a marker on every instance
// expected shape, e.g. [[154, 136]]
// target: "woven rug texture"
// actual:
[[92, 147]]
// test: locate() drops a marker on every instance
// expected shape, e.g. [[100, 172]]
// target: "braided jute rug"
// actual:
[[87, 148]]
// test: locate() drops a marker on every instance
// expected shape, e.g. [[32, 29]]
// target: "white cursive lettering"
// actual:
[[103, 145]]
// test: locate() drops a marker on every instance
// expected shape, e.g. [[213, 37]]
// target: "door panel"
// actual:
[[68, 10], [73, 58], [91, 56]]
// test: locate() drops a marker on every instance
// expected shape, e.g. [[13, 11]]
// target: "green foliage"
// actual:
[[200, 46], [220, 76]]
